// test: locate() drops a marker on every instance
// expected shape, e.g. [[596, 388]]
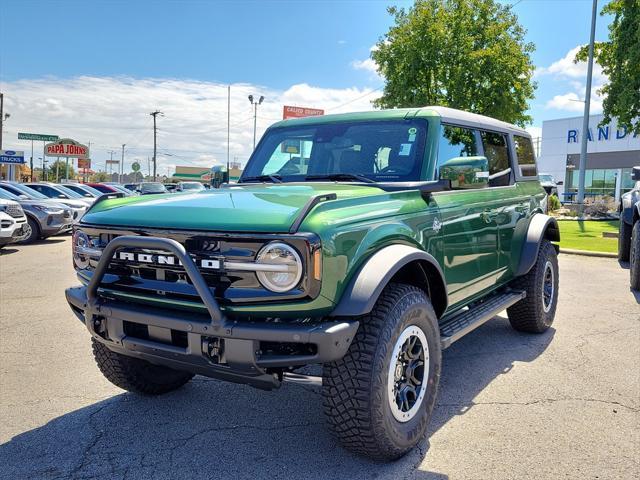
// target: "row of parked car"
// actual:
[[34, 211]]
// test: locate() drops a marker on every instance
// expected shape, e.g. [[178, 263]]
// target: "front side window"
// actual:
[[381, 151], [526, 157], [496, 150]]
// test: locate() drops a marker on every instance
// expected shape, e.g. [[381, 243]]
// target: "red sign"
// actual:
[[84, 163], [299, 112], [65, 147]]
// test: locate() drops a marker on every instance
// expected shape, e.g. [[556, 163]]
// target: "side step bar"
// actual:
[[457, 326]]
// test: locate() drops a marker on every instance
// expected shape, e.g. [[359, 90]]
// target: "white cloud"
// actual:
[[573, 76], [110, 111], [368, 64], [535, 132]]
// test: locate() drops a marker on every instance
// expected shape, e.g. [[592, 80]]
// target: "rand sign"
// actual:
[[66, 147]]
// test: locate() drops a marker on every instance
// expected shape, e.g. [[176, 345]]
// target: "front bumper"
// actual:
[[208, 344]]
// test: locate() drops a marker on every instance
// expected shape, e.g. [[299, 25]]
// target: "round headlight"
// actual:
[[79, 241], [280, 267]]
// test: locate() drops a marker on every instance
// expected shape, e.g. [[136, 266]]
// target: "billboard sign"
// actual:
[[299, 112], [66, 147], [84, 163], [11, 156]]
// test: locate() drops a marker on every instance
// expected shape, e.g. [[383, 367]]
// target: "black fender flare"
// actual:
[[541, 227], [627, 214], [367, 283]]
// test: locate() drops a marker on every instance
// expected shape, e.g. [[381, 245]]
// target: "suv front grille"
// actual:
[[15, 211]]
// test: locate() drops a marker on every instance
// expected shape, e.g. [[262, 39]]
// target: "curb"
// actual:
[[586, 253]]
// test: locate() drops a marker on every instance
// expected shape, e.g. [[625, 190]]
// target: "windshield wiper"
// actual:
[[340, 176], [275, 178]]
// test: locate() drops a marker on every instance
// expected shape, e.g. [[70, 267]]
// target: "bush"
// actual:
[[554, 203]]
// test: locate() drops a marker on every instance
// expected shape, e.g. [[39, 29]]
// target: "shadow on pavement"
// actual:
[[211, 429], [8, 250]]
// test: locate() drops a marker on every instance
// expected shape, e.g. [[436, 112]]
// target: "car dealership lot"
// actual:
[[565, 404]]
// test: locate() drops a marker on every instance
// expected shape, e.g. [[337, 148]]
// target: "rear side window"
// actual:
[[455, 142], [496, 150], [526, 157]]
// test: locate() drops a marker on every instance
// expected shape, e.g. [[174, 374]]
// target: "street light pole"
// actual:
[[155, 145], [587, 104], [255, 115]]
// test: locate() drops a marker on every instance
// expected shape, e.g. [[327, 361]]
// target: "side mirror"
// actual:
[[560, 183], [88, 195], [466, 172], [23, 196], [635, 173], [62, 196]]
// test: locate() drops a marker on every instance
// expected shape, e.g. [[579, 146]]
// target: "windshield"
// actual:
[[89, 189], [29, 192], [384, 151], [546, 178], [192, 186], [153, 187], [8, 195], [68, 191]]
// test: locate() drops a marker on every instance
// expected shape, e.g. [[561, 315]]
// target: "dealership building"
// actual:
[[611, 152]]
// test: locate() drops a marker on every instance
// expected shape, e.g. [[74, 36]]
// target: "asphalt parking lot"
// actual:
[[565, 404]]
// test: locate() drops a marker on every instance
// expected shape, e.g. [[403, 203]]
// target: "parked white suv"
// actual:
[[13, 223]]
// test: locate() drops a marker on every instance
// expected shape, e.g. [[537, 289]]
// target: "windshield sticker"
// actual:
[[412, 137], [405, 150]]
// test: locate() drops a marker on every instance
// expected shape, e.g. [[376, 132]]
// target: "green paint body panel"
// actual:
[[478, 245]]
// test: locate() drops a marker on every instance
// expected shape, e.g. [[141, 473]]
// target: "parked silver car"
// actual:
[[77, 202], [44, 217]]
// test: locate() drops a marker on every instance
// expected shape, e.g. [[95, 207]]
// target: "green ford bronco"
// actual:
[[365, 242]]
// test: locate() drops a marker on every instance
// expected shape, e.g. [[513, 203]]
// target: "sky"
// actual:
[[94, 70]]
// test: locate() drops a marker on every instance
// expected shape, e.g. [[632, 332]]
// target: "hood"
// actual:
[[267, 208], [42, 203], [72, 202]]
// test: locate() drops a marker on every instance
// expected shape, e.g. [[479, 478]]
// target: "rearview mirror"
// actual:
[[635, 173], [466, 172]]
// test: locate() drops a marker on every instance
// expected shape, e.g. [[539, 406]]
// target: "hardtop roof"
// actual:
[[447, 115]]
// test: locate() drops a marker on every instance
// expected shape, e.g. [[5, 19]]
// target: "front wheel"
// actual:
[[535, 312], [379, 397], [634, 257], [137, 375], [624, 240], [34, 232]]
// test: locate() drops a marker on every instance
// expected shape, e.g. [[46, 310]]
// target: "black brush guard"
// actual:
[[210, 345]]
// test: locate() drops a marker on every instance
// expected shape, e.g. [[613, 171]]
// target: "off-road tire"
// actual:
[[137, 375], [624, 241], [35, 232], [528, 315], [354, 389], [634, 258]]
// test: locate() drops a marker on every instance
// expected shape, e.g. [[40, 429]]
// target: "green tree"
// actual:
[[99, 177], [466, 54], [619, 58], [60, 166]]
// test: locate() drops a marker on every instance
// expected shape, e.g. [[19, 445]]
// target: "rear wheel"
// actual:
[[379, 397], [137, 375], [624, 241], [34, 233], [634, 258], [535, 312]]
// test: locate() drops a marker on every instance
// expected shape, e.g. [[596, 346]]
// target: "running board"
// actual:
[[460, 324]]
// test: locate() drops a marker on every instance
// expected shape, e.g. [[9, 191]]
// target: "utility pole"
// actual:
[[122, 164], [111, 152], [587, 104], [155, 144], [255, 115], [31, 161]]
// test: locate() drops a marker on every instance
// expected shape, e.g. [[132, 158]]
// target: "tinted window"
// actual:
[[495, 146], [526, 157], [455, 142]]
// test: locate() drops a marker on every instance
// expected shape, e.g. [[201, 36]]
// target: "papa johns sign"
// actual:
[[66, 147]]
